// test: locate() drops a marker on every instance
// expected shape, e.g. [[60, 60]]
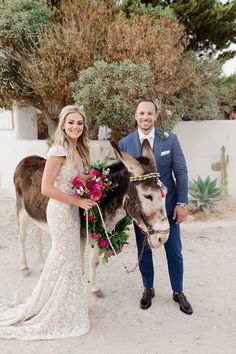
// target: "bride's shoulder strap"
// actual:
[[57, 150]]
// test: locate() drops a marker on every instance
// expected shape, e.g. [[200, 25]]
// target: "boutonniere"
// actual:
[[164, 135]]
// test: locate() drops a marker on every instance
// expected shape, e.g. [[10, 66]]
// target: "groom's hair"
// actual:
[[149, 100]]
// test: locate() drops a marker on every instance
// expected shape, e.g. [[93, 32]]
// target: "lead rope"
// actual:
[[108, 238], [104, 226], [146, 237], [139, 258]]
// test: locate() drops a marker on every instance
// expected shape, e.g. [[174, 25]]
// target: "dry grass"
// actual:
[[226, 210]]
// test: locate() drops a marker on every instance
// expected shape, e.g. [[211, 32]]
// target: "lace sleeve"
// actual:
[[57, 150]]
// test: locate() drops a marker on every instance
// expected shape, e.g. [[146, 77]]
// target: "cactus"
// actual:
[[224, 159]]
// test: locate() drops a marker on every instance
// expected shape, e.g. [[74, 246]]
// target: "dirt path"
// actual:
[[118, 325]]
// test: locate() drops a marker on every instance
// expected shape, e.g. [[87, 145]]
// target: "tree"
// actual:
[[109, 92], [21, 22], [228, 93], [43, 56], [210, 24], [40, 60], [201, 101], [160, 42]]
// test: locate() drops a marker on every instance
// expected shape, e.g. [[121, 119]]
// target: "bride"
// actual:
[[57, 307]]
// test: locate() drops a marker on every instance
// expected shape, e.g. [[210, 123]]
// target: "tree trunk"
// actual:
[[116, 134]]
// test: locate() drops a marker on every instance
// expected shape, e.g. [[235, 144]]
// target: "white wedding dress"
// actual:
[[57, 307]]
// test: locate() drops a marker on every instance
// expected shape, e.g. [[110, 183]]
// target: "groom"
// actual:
[[173, 173]]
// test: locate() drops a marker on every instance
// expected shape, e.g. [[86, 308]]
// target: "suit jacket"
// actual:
[[170, 164]]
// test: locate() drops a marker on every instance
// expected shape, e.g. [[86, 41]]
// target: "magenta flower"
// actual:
[[95, 195], [93, 172], [110, 253], [103, 243], [90, 218], [95, 236], [75, 180]]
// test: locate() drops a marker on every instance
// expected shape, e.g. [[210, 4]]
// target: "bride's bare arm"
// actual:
[[51, 170]]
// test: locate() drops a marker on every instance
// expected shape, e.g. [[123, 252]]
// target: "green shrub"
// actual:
[[204, 195]]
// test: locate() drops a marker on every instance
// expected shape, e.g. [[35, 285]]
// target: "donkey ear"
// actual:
[[132, 165], [147, 152]]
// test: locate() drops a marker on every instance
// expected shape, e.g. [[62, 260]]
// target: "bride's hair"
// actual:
[[61, 138]]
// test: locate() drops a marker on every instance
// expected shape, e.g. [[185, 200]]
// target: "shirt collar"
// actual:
[[148, 136]]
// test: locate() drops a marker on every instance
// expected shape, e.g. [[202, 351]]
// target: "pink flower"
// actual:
[[93, 172], [75, 180], [95, 195], [121, 247], [103, 243], [90, 218], [95, 236], [110, 253]]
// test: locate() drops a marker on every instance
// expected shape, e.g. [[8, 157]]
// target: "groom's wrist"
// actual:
[[183, 205]]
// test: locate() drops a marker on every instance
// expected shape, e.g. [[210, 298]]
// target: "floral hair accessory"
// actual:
[[164, 135], [94, 184]]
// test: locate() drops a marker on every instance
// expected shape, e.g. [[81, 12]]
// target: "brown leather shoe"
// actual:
[[184, 305], [146, 300]]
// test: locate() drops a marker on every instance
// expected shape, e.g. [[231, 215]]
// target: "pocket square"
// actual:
[[163, 153]]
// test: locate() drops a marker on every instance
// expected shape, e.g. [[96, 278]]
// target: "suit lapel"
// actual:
[[136, 145], [157, 146]]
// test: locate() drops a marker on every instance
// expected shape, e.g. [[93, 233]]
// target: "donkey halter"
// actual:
[[161, 186]]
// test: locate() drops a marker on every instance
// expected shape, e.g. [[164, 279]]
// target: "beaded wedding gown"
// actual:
[[57, 307]]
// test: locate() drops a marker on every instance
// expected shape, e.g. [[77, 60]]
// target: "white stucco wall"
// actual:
[[201, 143], [19, 142], [18, 134]]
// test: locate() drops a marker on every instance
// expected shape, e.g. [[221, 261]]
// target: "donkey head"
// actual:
[[145, 202]]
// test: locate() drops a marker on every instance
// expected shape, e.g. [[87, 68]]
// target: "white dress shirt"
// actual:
[[149, 136]]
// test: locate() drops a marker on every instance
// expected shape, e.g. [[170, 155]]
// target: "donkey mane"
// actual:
[[120, 177], [118, 171]]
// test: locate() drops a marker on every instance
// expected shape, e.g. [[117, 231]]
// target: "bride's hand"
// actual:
[[85, 203]]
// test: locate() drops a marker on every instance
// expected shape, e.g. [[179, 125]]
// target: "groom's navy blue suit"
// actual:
[[173, 173]]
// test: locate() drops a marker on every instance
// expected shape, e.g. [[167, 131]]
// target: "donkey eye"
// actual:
[[149, 196]]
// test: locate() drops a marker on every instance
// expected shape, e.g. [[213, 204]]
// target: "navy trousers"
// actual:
[[173, 249]]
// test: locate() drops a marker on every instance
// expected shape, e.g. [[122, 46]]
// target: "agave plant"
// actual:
[[204, 195]]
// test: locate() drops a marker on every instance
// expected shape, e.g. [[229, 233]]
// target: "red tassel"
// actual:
[[162, 193]]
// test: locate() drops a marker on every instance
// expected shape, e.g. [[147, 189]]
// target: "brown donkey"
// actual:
[[142, 199]]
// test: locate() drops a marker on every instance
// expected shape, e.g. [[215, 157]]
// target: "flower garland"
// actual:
[[94, 184]]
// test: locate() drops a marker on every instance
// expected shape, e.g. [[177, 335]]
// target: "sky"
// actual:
[[229, 66]]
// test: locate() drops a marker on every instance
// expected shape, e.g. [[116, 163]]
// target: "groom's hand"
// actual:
[[179, 214]]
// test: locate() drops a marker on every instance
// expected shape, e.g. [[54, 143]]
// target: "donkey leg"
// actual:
[[83, 242], [38, 247], [23, 221], [93, 263]]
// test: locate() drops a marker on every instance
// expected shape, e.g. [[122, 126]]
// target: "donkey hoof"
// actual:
[[25, 272], [95, 289], [41, 267]]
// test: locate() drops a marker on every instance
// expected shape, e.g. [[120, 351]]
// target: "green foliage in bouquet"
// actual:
[[95, 184], [118, 236], [204, 195]]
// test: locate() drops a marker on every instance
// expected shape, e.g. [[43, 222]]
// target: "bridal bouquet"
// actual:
[[94, 184]]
